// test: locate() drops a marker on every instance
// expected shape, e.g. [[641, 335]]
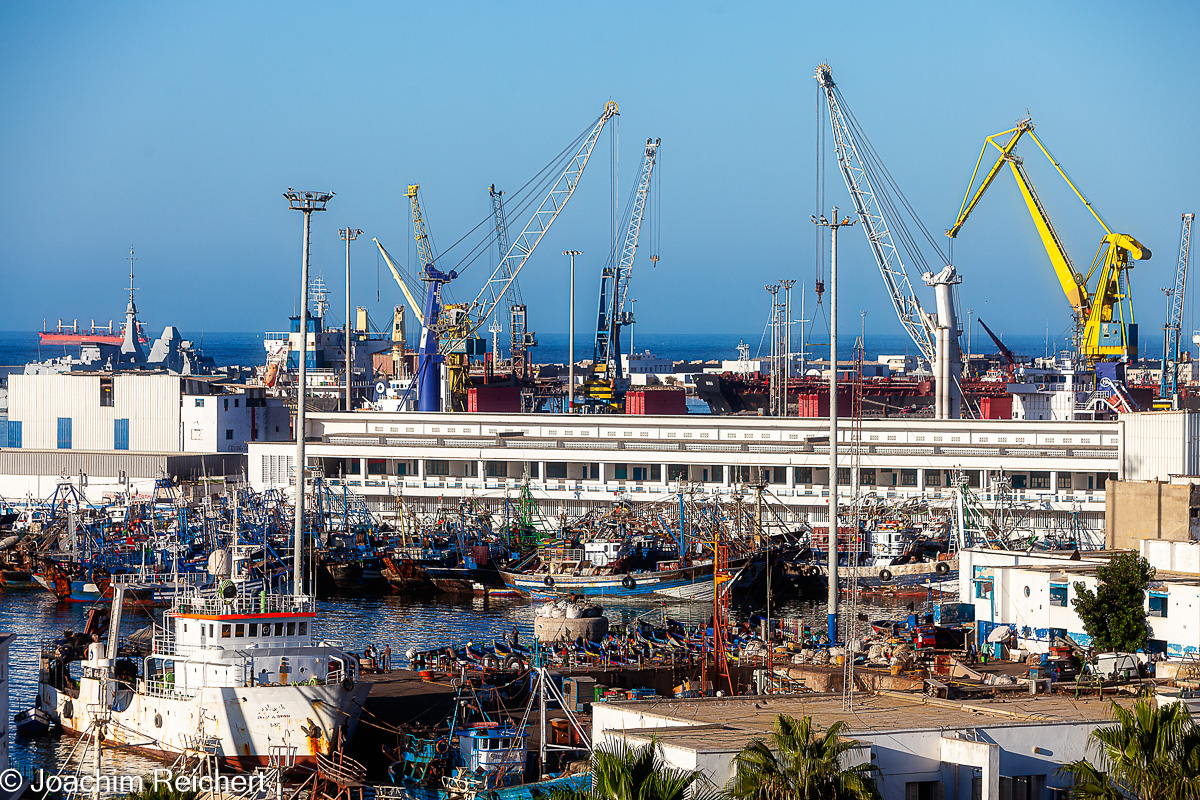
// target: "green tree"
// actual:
[[621, 772], [1148, 753], [1115, 615], [800, 763]]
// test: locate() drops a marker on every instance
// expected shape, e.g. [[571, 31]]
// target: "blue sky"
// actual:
[[176, 127]]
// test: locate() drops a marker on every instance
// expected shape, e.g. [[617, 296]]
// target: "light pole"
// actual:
[[833, 420], [571, 336], [306, 203], [348, 235]]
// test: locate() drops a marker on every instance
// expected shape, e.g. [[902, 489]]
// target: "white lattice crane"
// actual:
[[1169, 384]]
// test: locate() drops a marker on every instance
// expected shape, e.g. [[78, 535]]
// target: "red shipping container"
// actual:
[[814, 405], [995, 407], [502, 399], [663, 401]]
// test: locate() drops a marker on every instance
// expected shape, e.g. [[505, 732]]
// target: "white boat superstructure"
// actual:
[[236, 672]]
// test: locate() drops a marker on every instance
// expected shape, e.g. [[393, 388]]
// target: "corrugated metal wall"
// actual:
[[111, 464], [149, 402], [1159, 444]]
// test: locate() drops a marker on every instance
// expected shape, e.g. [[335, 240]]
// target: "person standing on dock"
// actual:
[[387, 658]]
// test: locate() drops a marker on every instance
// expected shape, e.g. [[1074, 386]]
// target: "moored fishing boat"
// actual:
[[240, 671]]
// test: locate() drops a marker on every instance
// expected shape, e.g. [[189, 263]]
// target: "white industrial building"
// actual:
[[1032, 592], [998, 749], [139, 411], [1056, 470], [111, 428]]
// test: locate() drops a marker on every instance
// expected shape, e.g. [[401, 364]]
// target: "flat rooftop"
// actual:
[[717, 723]]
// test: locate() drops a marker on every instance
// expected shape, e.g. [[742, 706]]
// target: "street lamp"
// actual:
[[348, 235], [306, 203]]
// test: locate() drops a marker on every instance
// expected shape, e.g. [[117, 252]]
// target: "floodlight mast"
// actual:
[[306, 203]]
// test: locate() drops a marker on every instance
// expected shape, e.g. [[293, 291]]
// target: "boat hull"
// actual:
[[629, 585], [243, 722]]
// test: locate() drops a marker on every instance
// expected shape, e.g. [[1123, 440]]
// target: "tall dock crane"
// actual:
[[606, 384], [1169, 383], [1105, 329], [877, 201], [520, 340], [450, 337]]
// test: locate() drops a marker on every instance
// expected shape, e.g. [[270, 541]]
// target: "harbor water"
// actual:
[[399, 622]]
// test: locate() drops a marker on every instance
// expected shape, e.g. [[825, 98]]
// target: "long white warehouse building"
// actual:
[[1057, 470]]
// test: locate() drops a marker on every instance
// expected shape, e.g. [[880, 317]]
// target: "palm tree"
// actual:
[[621, 772], [800, 763], [1149, 753]]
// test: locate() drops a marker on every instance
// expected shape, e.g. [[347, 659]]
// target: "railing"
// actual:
[[246, 604]]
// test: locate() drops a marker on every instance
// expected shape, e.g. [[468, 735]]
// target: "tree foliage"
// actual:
[[1114, 615], [621, 772], [800, 763], [1149, 753]]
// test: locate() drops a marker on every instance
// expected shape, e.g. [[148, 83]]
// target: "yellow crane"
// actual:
[[1104, 324]]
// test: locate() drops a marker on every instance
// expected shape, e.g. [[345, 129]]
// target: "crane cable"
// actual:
[[541, 178]]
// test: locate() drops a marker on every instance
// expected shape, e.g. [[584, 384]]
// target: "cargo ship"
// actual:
[[74, 335]]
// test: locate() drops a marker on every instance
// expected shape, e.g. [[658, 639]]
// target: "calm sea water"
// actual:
[[246, 348]]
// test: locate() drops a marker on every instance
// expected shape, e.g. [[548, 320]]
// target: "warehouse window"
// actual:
[[1064, 480], [120, 434], [1058, 594], [804, 475], [556, 469], [908, 477], [64, 433], [14, 433], [866, 477], [933, 477], [1039, 480], [497, 469], [1158, 604], [229, 434], [106, 392], [199, 402], [437, 467]]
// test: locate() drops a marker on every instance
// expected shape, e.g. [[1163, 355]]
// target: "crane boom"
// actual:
[[1103, 316], [408, 295], [523, 246], [614, 281], [519, 339], [875, 220], [1169, 383]]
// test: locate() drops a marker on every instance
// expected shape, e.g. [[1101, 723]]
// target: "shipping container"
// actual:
[[995, 407], [494, 399], [656, 400]]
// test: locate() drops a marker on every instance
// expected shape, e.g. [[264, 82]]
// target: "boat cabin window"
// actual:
[[252, 629], [210, 630], [303, 628], [239, 630], [226, 631], [291, 629], [279, 629]]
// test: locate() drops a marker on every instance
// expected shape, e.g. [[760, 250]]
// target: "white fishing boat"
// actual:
[[233, 671]]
